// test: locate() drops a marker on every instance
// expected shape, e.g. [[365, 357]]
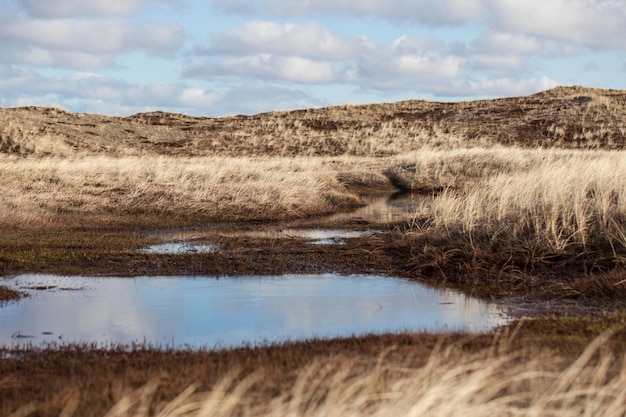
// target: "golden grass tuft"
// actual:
[[518, 210]]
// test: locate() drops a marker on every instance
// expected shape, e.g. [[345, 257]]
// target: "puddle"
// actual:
[[378, 210], [315, 236], [207, 312], [382, 209], [179, 248], [329, 236]]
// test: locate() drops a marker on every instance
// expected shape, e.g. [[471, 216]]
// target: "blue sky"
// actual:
[[224, 57]]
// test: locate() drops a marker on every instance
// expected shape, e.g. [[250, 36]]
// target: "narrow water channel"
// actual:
[[362, 222], [226, 312]]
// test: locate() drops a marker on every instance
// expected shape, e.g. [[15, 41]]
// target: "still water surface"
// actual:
[[208, 312], [378, 210]]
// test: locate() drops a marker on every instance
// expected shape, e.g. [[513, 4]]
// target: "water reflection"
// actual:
[[378, 210], [383, 209], [203, 311], [179, 248]]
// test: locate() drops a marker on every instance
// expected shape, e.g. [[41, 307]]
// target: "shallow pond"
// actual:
[[208, 312]]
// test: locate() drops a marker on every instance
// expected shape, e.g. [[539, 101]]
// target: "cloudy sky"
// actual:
[[225, 57]]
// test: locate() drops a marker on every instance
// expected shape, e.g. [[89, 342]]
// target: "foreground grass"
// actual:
[[448, 384], [521, 371]]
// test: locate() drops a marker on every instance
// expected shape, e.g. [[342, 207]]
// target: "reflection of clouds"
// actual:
[[468, 313], [202, 311], [120, 320], [94, 310]]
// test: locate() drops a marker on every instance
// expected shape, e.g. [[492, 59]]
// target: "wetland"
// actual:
[[512, 211]]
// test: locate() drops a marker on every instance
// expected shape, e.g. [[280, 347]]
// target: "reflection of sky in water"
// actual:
[[179, 247], [378, 209], [204, 311]]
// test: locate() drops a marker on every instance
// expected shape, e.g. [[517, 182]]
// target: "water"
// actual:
[[179, 248], [378, 210], [227, 312]]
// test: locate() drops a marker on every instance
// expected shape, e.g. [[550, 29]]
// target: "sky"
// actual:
[[224, 57]]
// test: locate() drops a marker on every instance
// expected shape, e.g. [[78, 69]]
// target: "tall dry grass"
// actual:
[[495, 382], [525, 206], [35, 190]]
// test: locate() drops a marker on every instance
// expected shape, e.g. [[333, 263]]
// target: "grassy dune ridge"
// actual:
[[564, 117]]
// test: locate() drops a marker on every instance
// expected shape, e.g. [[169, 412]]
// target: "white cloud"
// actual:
[[74, 8], [595, 23], [108, 36], [309, 54], [47, 58], [447, 12], [409, 45], [168, 95], [507, 43], [244, 99], [15, 77], [425, 66], [309, 40], [80, 42], [90, 92], [499, 64], [83, 8], [265, 67], [495, 87]]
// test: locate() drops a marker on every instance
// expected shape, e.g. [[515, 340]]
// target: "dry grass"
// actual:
[[35, 191], [517, 211], [565, 117], [453, 381], [496, 210]]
